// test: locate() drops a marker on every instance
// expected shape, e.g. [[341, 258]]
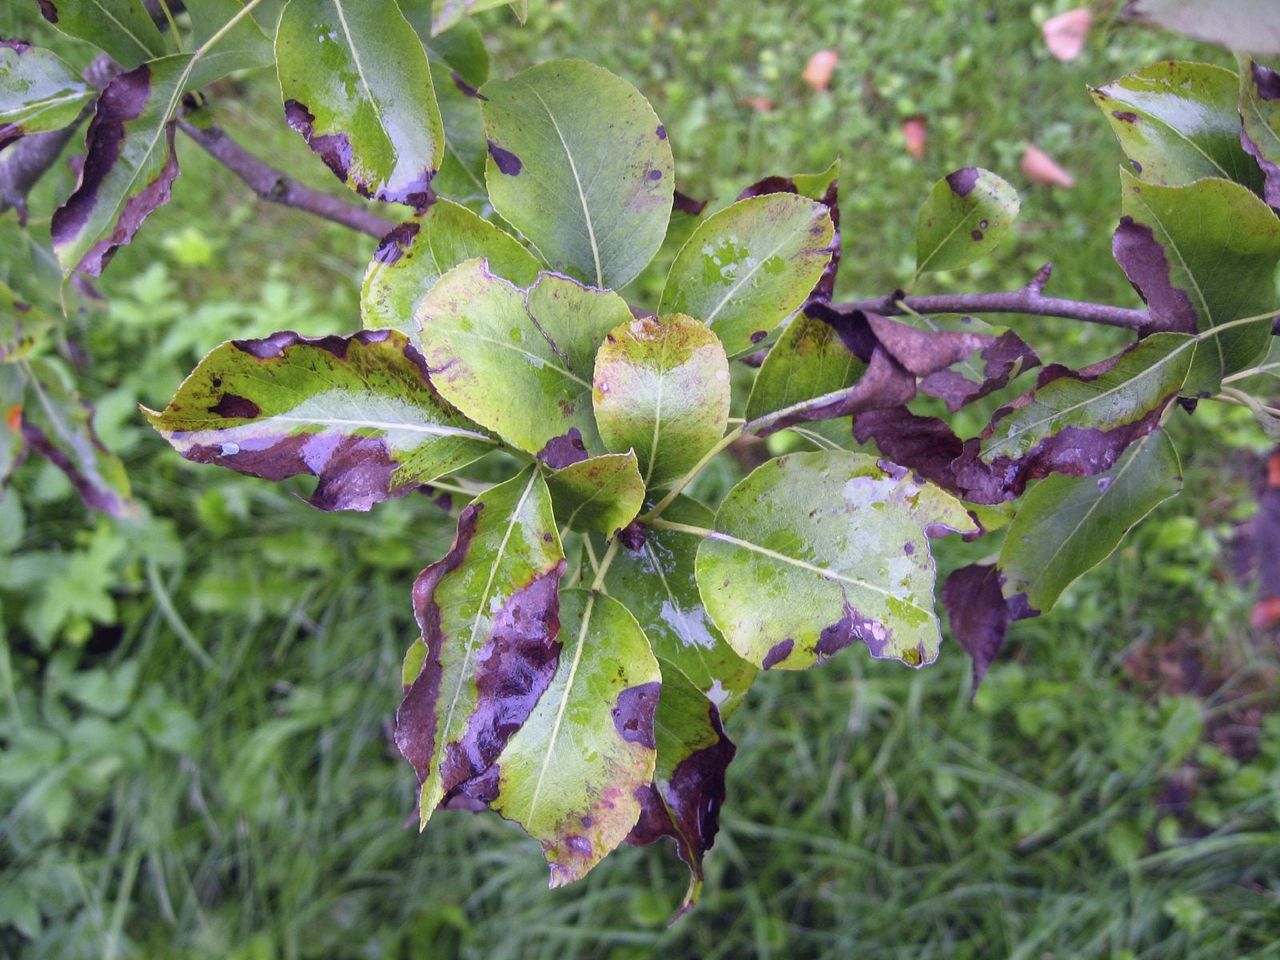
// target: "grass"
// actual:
[[196, 760]]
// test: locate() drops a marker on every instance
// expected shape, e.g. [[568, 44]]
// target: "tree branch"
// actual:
[[1029, 300], [274, 186]]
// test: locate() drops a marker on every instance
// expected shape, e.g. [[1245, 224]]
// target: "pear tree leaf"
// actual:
[[965, 215], [461, 175], [1252, 25], [1177, 122], [573, 773], [357, 86], [662, 389], [120, 28], [22, 325], [359, 413], [1202, 255], [601, 494], [413, 256], [747, 268], [38, 92], [489, 616], [808, 361], [129, 167], [1260, 107], [243, 47], [518, 361], [447, 14], [579, 164], [460, 47], [814, 551], [1065, 526]]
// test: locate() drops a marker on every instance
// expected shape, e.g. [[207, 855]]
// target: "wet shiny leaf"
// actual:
[[815, 551], [415, 254], [750, 266], [120, 28], [580, 164], [602, 494], [129, 168], [573, 773], [489, 616], [1067, 525], [38, 92], [357, 86], [661, 389], [965, 215], [1177, 122], [358, 412], [518, 361]]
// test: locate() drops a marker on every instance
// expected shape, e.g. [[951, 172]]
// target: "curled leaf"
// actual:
[[603, 493]]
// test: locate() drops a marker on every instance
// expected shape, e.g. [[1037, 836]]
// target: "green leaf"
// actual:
[[357, 412], [517, 361], [1104, 409], [603, 494], [1252, 25], [815, 185], [750, 266], [58, 425], [22, 325], [415, 254], [814, 551], [461, 175], [1259, 105], [1177, 122], [662, 389], [809, 360], [1067, 525], [965, 215], [579, 164], [572, 773], [448, 13], [357, 86], [129, 168], [489, 613], [1214, 257], [243, 47], [121, 28], [656, 582], [460, 48], [38, 92]]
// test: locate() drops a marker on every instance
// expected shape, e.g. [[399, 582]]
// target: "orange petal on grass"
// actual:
[[1065, 34], [915, 131], [818, 71], [1039, 167], [759, 104]]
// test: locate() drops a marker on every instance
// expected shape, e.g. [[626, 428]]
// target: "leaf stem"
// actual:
[[697, 468], [173, 26], [222, 31], [598, 583], [659, 524]]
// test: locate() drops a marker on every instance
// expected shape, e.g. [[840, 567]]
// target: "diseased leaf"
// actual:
[[979, 614], [38, 92], [814, 551], [579, 164], [572, 775], [129, 168], [357, 86], [58, 425], [683, 801], [489, 614], [359, 413], [517, 361], [1252, 25], [1080, 422], [750, 266], [998, 359], [1220, 246], [461, 175], [661, 389], [243, 47], [1177, 122], [121, 28], [808, 360], [965, 215], [1260, 107], [22, 325], [413, 256], [603, 494], [655, 579], [460, 48], [1066, 525]]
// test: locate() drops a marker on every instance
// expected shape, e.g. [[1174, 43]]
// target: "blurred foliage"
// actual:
[[194, 728]]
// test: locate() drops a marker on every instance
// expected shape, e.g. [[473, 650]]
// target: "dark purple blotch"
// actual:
[[662, 132], [633, 713], [235, 407], [395, 244], [963, 181], [48, 10], [564, 450], [777, 653], [852, 626], [465, 87], [634, 536], [687, 204], [974, 600], [80, 471], [508, 163], [1125, 116], [975, 235], [1143, 259], [1005, 358]]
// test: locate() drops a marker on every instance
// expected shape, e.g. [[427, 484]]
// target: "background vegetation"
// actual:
[[196, 704]]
